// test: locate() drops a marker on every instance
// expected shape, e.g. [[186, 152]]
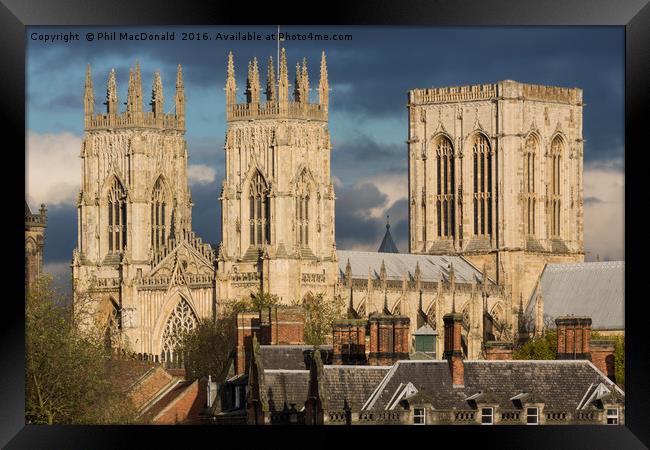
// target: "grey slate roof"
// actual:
[[292, 357], [593, 289], [284, 387], [561, 383], [343, 385], [432, 267]]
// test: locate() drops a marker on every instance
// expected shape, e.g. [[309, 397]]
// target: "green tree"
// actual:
[[69, 371], [320, 313], [539, 347], [208, 346], [261, 300]]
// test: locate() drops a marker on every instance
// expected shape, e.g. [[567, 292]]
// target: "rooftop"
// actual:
[[593, 289]]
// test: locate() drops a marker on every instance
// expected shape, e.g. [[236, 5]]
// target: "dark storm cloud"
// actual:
[[61, 233], [354, 225], [399, 224], [369, 79], [206, 214], [361, 153]]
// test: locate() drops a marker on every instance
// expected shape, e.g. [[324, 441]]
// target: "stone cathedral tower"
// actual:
[[147, 274], [277, 196], [495, 175]]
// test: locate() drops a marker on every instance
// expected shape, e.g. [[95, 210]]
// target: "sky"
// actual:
[[369, 74]]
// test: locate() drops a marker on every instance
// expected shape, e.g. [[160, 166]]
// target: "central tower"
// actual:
[[277, 197]]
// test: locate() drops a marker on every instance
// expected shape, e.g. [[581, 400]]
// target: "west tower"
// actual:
[[495, 175], [136, 256], [277, 196]]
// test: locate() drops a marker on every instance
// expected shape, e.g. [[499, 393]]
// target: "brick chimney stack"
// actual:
[[349, 341], [248, 324], [389, 339], [573, 337], [453, 352]]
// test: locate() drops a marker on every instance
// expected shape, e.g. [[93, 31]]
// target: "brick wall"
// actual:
[[573, 337], [247, 324], [288, 325], [149, 386], [186, 407], [498, 350], [602, 356], [349, 342], [389, 339]]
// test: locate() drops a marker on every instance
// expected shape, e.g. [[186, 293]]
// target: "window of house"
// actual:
[[612, 416], [419, 416], [487, 416], [237, 397], [532, 416]]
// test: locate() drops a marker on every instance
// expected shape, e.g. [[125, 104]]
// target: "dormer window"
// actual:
[[532, 416], [612, 416], [419, 416], [487, 416]]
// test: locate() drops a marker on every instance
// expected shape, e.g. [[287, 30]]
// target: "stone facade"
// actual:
[[495, 175], [35, 225], [277, 197], [146, 273]]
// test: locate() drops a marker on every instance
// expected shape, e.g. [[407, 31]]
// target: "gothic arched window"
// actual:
[[302, 210], [116, 218], [260, 214], [445, 204], [530, 155], [555, 174], [181, 321], [158, 217], [113, 326], [431, 316], [482, 202]]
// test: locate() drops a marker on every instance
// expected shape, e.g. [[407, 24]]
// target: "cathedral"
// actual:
[[495, 192]]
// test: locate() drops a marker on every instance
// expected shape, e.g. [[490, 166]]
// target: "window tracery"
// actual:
[[181, 321], [445, 198], [116, 218], [482, 201], [260, 214]]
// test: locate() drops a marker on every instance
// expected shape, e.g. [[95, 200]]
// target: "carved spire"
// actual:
[[253, 83], [130, 95], [89, 95], [111, 94], [304, 79], [348, 271], [231, 84], [418, 273], [137, 83], [382, 271], [271, 93], [283, 78], [180, 97], [297, 86], [323, 85], [157, 98]]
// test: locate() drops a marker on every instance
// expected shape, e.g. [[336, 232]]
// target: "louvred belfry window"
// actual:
[[554, 203], [116, 218], [259, 212], [482, 178], [158, 219], [302, 210], [445, 198], [531, 149]]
